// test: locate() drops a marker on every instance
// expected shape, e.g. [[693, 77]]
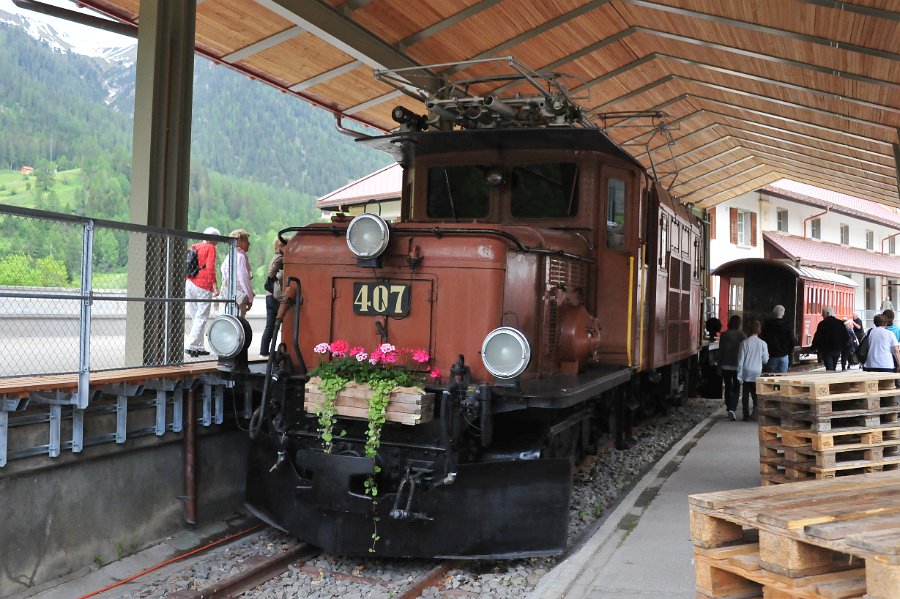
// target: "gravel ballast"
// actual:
[[595, 492]]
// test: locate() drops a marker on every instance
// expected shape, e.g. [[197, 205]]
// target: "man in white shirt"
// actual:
[[243, 289], [752, 356], [884, 349]]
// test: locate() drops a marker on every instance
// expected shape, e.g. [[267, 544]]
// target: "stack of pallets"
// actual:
[[825, 425], [826, 539]]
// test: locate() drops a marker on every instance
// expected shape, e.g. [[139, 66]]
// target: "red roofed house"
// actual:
[[377, 192], [815, 228]]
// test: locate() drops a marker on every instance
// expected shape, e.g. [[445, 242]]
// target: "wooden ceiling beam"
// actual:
[[782, 131], [825, 70], [718, 181], [769, 138], [831, 173], [524, 37], [773, 31], [338, 30], [864, 172], [855, 8], [742, 185], [263, 44], [641, 61], [326, 76], [784, 119], [450, 21]]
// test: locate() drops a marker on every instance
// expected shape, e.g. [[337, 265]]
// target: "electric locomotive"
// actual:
[[552, 281]]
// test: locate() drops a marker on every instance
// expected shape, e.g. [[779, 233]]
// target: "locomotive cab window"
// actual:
[[615, 213], [458, 192], [544, 190]]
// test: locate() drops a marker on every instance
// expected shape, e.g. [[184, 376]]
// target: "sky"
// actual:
[[80, 36]]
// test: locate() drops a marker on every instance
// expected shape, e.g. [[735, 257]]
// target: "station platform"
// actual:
[[642, 549]]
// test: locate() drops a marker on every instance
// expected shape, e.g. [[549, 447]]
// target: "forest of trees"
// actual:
[[259, 158]]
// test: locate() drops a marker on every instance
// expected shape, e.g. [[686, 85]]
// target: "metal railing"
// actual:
[[79, 295]]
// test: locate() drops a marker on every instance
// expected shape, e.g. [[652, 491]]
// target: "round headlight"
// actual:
[[226, 336], [368, 235], [505, 352]]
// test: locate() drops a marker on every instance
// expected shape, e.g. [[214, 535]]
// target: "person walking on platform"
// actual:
[[273, 288], [243, 289], [890, 324], [858, 329], [201, 286], [884, 349], [829, 340], [729, 350], [779, 339], [753, 355]]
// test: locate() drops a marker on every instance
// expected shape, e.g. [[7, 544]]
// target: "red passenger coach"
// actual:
[[751, 287]]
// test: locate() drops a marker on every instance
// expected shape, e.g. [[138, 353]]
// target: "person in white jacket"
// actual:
[[753, 355], [243, 289]]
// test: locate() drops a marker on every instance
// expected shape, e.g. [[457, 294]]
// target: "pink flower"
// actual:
[[390, 358], [421, 356], [321, 348], [361, 356], [339, 347], [376, 356], [357, 350], [373, 359], [387, 348], [434, 373]]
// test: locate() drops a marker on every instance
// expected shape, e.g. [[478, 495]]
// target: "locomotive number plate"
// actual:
[[381, 299]]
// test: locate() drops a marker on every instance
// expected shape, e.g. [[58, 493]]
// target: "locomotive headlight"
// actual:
[[227, 335], [505, 352], [368, 235]]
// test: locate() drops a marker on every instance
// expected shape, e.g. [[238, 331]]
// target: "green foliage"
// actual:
[[279, 153], [22, 270]]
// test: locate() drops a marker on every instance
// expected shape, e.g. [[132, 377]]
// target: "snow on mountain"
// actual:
[[116, 54], [66, 36]]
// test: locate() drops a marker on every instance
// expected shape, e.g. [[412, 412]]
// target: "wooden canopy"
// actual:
[[718, 97]]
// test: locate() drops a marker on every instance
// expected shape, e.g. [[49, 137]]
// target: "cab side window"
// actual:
[[615, 213]]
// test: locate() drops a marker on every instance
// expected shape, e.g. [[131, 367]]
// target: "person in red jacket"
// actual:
[[202, 286]]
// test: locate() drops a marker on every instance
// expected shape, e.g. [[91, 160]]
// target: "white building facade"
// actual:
[[815, 228]]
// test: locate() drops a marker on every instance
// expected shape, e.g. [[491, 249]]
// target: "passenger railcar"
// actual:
[[751, 287], [555, 285]]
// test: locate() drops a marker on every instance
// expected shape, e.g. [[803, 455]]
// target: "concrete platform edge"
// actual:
[[570, 578]]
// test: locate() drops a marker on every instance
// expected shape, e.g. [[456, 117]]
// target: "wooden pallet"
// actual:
[[814, 385], [819, 423], [828, 458], [824, 539], [849, 437], [832, 404]]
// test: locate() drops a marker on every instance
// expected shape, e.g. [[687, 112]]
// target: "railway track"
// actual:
[[297, 559], [271, 565]]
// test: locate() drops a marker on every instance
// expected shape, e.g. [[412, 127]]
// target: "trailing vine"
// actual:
[[381, 396], [330, 388]]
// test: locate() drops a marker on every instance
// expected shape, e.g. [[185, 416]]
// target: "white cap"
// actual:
[[211, 231]]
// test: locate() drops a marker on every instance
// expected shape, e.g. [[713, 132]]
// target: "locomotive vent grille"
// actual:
[[567, 275]]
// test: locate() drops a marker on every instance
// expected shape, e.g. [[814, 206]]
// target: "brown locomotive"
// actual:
[[554, 284]]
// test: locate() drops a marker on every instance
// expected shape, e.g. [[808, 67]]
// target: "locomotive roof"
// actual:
[[402, 145]]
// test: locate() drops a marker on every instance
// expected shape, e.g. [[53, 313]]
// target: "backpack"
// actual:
[[192, 263], [862, 352]]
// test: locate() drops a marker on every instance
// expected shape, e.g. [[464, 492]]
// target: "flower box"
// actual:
[[408, 405]]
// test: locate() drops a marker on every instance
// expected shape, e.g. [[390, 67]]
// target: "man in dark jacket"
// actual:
[[779, 338], [830, 338]]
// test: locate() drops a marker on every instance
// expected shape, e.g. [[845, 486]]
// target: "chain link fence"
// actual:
[[80, 295]]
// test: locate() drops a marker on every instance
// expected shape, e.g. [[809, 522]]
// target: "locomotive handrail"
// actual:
[[439, 232]]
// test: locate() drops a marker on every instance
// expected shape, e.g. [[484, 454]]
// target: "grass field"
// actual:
[[16, 191]]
